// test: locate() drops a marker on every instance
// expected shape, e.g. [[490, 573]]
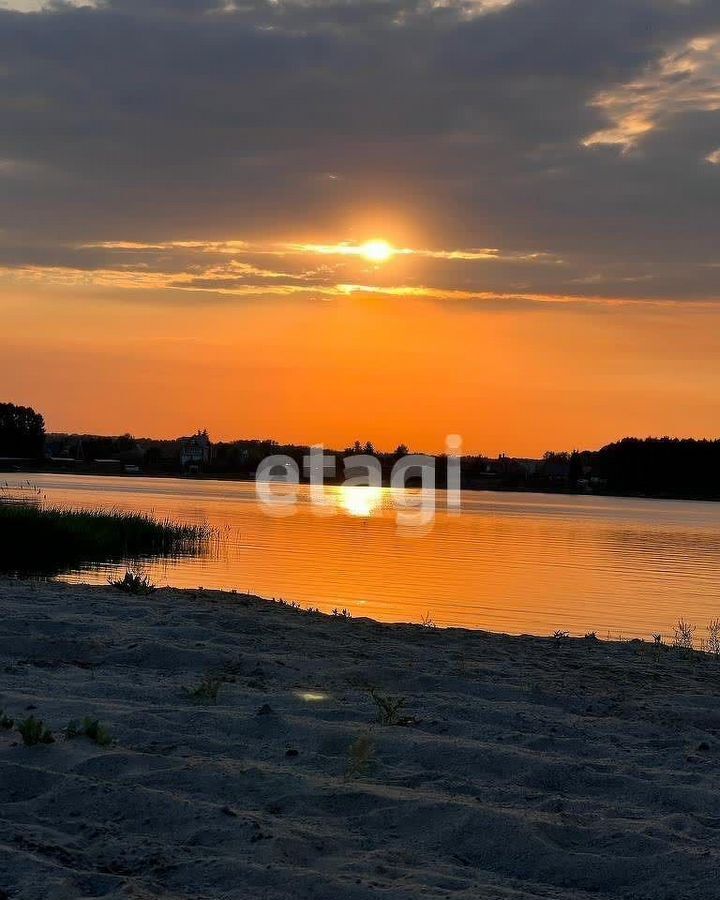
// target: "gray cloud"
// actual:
[[485, 125]]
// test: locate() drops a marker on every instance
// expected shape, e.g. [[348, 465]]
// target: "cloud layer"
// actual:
[[188, 144]]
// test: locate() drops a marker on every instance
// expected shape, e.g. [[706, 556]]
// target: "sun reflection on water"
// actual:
[[360, 500]]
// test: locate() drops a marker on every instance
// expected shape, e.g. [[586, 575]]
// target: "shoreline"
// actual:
[[518, 767], [244, 479]]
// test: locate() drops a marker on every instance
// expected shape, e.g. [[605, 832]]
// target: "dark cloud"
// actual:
[[160, 119]]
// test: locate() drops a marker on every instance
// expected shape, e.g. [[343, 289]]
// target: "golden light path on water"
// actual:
[[512, 562]]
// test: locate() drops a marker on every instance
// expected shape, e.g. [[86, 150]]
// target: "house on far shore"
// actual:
[[195, 452]]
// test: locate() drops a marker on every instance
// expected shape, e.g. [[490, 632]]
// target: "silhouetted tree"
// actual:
[[22, 431]]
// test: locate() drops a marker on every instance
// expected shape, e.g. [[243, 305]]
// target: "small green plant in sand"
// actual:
[[561, 636], [89, 728], [34, 732], [134, 583], [6, 723], [389, 709], [206, 691], [684, 635], [342, 613], [361, 756], [427, 621]]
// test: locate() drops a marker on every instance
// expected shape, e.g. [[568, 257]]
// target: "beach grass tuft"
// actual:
[[134, 583], [89, 728], [684, 635], [388, 708], [712, 645], [206, 691], [34, 732], [361, 755]]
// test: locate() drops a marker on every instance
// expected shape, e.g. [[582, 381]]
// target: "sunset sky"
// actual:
[[322, 220]]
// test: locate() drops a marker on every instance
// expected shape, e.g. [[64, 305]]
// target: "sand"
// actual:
[[524, 767]]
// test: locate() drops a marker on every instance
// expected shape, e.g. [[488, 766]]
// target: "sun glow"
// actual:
[[377, 251]]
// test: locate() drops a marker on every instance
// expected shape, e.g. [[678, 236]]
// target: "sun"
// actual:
[[377, 251]]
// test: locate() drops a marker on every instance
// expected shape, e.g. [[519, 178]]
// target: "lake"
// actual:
[[520, 563]]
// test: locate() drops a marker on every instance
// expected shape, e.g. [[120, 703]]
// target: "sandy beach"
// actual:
[[518, 767]]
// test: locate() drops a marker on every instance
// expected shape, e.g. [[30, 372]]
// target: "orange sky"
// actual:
[[183, 239], [520, 379]]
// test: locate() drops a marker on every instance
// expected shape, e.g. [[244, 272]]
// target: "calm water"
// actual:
[[511, 562]]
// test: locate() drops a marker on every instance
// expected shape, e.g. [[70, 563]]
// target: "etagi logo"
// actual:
[[277, 483]]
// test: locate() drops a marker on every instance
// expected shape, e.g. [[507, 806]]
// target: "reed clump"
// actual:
[[41, 539]]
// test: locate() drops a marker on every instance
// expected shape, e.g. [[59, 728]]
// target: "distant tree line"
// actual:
[[659, 467], [244, 457], [653, 467]]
